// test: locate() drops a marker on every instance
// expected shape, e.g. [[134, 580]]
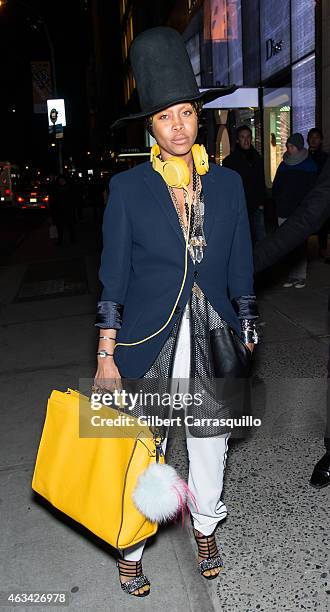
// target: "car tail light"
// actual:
[[42, 206], [20, 199], [45, 199], [33, 193], [24, 206], [7, 192]]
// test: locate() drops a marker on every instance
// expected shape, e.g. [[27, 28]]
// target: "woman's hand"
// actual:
[[107, 375]]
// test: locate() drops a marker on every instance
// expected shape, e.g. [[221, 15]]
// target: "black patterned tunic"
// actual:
[[159, 377]]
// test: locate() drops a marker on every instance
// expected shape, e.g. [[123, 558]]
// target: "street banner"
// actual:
[[42, 85]]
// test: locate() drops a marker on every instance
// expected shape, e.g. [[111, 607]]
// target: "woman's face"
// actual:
[[175, 129]]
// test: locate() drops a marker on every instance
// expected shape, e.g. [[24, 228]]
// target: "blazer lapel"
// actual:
[[159, 189], [210, 201]]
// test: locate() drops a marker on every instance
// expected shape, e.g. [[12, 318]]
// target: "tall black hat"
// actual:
[[163, 73]]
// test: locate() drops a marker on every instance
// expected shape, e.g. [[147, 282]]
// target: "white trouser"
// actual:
[[207, 456]]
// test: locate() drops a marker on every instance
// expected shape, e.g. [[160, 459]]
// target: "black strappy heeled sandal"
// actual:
[[207, 549], [133, 570]]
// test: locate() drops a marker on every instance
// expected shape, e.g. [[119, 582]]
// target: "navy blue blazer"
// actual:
[[142, 261]]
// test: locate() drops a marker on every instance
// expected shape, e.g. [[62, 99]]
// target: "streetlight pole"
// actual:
[[43, 23]]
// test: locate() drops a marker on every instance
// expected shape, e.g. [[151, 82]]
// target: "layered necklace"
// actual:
[[197, 240]]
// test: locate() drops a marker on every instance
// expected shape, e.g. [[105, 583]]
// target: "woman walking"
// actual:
[[144, 237]]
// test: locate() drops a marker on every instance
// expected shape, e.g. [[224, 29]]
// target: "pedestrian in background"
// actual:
[[315, 151], [295, 176], [62, 209], [315, 148], [246, 160], [78, 190], [96, 199]]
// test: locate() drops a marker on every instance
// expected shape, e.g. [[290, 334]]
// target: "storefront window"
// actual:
[[279, 120], [220, 64], [215, 20], [194, 53], [215, 32], [251, 42], [235, 42], [222, 148]]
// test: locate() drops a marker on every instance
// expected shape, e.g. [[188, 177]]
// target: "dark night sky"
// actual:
[[24, 135]]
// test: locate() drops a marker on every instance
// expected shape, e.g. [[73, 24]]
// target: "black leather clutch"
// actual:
[[231, 357]]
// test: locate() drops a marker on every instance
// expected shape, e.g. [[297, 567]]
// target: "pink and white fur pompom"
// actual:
[[160, 493]]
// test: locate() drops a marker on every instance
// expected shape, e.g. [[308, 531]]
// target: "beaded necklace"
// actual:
[[197, 240]]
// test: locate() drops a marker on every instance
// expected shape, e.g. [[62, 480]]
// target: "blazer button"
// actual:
[[195, 274], [177, 310]]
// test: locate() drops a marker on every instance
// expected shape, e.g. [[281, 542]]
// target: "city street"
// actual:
[[15, 226], [275, 540]]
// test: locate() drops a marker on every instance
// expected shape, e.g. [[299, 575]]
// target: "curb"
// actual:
[[197, 592]]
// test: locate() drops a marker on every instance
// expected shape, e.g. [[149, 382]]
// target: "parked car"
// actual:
[[31, 198]]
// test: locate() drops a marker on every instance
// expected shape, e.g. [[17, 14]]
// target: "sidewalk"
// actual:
[[49, 344], [275, 539]]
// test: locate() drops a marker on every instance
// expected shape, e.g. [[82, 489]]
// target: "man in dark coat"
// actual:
[[315, 152], [315, 148], [62, 208], [250, 166], [308, 217], [295, 177]]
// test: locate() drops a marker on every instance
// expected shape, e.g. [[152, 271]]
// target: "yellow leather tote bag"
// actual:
[[92, 480]]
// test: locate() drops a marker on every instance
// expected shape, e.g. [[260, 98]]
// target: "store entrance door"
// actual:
[[238, 108], [277, 128]]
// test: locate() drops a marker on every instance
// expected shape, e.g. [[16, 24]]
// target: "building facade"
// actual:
[[105, 93], [324, 71], [277, 53], [269, 51]]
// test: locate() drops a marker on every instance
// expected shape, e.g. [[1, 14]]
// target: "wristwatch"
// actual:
[[104, 353]]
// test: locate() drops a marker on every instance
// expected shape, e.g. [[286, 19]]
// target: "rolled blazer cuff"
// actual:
[[109, 315], [246, 307]]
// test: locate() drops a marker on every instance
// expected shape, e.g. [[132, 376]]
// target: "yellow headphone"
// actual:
[[175, 173], [174, 170]]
